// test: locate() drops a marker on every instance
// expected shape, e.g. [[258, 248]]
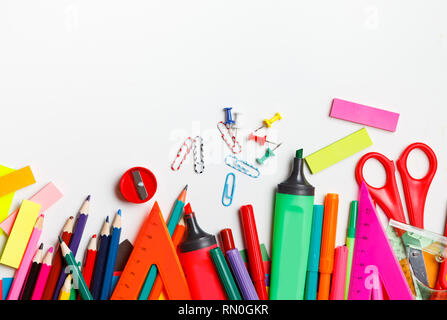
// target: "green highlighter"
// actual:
[[292, 227]]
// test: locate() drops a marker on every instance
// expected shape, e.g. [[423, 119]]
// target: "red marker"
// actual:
[[201, 275], [255, 263]]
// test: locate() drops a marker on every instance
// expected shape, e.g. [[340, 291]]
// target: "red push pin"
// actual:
[[259, 139]]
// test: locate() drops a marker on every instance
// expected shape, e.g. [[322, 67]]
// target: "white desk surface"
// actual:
[[89, 89]]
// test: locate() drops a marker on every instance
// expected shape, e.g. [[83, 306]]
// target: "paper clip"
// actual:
[[199, 160], [181, 154], [242, 166], [229, 138], [225, 194]]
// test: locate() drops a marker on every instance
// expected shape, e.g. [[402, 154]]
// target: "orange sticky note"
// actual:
[[16, 180]]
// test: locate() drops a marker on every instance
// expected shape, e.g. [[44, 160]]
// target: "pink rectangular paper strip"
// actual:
[[46, 197], [368, 116]]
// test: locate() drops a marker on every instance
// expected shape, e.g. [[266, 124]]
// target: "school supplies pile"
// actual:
[[178, 260]]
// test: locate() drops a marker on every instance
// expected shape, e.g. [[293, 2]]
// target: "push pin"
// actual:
[[268, 122], [268, 153], [259, 139], [229, 119]]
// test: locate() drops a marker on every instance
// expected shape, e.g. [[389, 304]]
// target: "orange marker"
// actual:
[[328, 245]]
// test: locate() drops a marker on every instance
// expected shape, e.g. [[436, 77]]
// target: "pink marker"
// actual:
[[339, 275], [22, 271], [365, 115], [43, 275]]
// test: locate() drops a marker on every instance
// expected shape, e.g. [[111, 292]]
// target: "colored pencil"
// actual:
[[76, 273], [339, 277], [33, 273], [158, 288], [90, 258], [75, 240], [43, 275], [111, 257], [22, 271], [65, 292], [171, 225], [56, 268], [98, 274]]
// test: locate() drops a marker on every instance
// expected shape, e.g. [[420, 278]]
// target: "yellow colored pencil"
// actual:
[[66, 289]]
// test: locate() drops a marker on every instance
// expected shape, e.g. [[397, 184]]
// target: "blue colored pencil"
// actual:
[[74, 243], [101, 257], [111, 257]]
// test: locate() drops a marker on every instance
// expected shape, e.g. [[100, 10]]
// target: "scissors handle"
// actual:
[[387, 197], [416, 190]]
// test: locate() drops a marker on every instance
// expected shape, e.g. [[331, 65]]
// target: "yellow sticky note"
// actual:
[[338, 151], [5, 201], [20, 234]]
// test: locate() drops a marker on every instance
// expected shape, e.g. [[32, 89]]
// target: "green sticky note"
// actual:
[[5, 201], [338, 151]]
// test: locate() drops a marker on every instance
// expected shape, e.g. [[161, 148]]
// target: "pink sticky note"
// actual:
[[46, 197], [365, 115]]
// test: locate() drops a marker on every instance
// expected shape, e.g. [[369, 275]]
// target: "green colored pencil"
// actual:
[[77, 275]]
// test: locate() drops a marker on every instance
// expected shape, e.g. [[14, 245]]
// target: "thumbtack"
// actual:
[[268, 122], [229, 119], [259, 139], [268, 153]]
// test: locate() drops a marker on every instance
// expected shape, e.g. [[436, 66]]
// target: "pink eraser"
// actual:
[[365, 115], [46, 197]]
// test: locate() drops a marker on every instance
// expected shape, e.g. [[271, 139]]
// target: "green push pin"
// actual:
[[268, 153]]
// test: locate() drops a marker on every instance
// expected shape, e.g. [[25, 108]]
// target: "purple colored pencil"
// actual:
[[74, 242], [241, 275]]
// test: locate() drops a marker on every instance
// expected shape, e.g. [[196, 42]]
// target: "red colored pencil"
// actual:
[[90, 258], [57, 261]]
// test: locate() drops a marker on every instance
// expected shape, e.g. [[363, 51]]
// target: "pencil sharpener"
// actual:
[[138, 185]]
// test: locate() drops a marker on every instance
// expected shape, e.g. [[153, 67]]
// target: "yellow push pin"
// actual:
[[268, 122]]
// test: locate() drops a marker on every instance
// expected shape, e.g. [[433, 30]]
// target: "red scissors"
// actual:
[[415, 190]]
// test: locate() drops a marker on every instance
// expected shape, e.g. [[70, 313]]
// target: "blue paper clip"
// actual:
[[225, 194], [242, 166]]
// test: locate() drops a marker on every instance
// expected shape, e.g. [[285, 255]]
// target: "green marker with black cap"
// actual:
[[292, 225]]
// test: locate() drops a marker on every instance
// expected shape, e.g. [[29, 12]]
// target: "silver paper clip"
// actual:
[[225, 194], [242, 166]]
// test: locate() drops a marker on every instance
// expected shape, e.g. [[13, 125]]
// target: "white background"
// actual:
[[89, 89]]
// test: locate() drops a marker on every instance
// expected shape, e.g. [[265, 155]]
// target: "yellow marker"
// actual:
[[338, 151], [20, 234], [16, 180], [5, 201]]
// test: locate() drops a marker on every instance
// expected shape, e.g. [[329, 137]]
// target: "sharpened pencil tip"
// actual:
[[186, 187], [41, 246], [119, 212], [94, 236], [50, 250], [107, 219], [88, 198], [60, 239]]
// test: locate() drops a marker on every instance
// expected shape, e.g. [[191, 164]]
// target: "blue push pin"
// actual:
[[229, 118]]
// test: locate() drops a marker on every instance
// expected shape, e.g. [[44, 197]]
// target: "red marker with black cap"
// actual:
[[199, 269]]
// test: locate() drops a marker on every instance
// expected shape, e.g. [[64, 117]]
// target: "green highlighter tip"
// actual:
[[299, 153]]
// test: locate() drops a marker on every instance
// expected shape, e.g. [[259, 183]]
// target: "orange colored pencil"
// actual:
[[158, 288], [57, 261], [328, 245]]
